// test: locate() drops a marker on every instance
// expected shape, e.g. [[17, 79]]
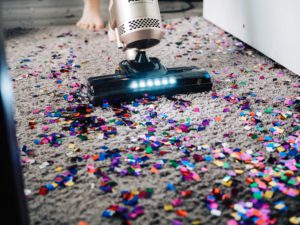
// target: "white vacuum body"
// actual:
[[137, 23]]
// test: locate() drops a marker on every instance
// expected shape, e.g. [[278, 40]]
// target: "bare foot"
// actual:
[[91, 19]]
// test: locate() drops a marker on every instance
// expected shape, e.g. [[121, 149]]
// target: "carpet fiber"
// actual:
[[227, 156]]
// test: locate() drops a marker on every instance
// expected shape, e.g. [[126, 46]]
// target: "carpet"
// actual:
[[230, 156]]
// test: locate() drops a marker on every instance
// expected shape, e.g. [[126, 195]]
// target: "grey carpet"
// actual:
[[36, 58]]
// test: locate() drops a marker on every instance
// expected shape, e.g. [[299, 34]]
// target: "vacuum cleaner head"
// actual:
[[137, 25], [135, 78]]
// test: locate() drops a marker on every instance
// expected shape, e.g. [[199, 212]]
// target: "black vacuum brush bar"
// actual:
[[135, 78]]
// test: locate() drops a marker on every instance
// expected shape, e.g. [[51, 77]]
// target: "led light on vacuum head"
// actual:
[[134, 84], [165, 81], [142, 84], [149, 83], [157, 82], [172, 80], [127, 87]]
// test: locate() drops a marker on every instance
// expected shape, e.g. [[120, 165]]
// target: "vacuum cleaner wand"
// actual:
[[137, 24]]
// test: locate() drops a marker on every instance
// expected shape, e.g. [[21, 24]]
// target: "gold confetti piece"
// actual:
[[168, 207], [228, 183], [218, 163], [239, 171], [280, 130], [58, 169], [295, 220], [71, 146], [196, 222], [280, 149], [69, 183], [67, 122], [273, 183], [279, 206], [268, 194], [135, 192]]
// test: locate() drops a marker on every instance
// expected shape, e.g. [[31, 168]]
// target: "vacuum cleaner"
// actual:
[[137, 25]]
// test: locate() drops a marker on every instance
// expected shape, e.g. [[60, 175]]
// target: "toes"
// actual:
[[90, 27], [79, 23], [99, 26], [84, 26]]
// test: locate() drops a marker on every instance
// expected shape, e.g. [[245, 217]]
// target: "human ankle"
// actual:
[[91, 4]]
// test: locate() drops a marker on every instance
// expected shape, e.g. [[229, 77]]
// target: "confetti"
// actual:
[[235, 149]]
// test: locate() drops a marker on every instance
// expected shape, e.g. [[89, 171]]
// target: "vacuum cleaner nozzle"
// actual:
[[135, 78], [137, 25]]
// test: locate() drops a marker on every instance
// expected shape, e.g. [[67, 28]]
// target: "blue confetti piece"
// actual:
[[170, 187], [106, 214], [268, 138], [201, 128], [50, 187], [135, 104], [102, 156], [132, 201], [282, 154], [208, 158]]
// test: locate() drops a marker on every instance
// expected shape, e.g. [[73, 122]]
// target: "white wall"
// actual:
[[270, 26]]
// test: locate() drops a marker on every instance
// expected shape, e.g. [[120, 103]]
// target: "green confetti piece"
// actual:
[[269, 110], [82, 137], [130, 170], [277, 169], [254, 136], [149, 150], [226, 165], [129, 156], [150, 190], [254, 185], [257, 195], [174, 163], [292, 182], [283, 177]]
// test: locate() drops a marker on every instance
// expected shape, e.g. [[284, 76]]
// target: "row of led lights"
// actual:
[[151, 83]]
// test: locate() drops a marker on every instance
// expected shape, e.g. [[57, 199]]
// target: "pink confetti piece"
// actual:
[[45, 128], [35, 111]]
